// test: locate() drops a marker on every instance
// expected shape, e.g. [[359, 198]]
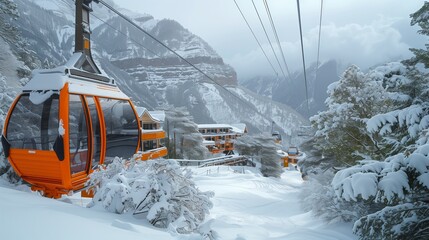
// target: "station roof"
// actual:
[[236, 128]]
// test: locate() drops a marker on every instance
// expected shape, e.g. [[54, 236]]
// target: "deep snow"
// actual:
[[246, 206]]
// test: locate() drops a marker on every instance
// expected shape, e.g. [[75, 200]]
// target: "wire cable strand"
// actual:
[[268, 39], [318, 42], [267, 9], [253, 33], [252, 107], [302, 52]]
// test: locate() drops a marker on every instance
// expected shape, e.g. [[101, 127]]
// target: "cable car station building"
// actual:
[[221, 137], [152, 135]]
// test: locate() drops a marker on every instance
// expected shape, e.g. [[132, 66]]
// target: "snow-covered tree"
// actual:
[[11, 35], [6, 99], [401, 182], [401, 90], [377, 195], [341, 130], [403, 221], [185, 139], [421, 18], [318, 195], [158, 190], [8, 13], [263, 149]]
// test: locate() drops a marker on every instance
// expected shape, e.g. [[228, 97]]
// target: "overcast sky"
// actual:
[[362, 32]]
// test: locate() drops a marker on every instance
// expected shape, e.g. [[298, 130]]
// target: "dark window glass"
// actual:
[[96, 132], [78, 135], [33, 126], [122, 133], [149, 145], [149, 126]]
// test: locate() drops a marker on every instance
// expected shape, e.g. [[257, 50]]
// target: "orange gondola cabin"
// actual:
[[69, 120]]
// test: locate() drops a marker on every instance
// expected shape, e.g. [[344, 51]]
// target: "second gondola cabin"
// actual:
[[65, 123]]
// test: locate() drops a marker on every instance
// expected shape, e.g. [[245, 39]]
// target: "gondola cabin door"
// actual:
[[80, 139]]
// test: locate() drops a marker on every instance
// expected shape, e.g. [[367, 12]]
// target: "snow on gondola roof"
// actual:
[[56, 78]]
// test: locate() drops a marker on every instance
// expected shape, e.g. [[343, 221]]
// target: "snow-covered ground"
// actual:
[[246, 206]]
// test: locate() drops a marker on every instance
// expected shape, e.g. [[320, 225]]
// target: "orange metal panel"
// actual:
[[89, 193], [155, 153], [153, 135], [64, 117], [37, 167], [102, 130], [215, 150], [86, 43], [139, 126]]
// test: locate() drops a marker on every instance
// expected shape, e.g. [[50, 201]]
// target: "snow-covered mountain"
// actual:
[[8, 64], [292, 91], [146, 71]]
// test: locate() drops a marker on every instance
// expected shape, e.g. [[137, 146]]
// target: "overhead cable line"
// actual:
[[122, 33], [253, 33], [267, 9], [302, 52], [158, 41], [119, 31], [126, 35], [268, 39], [252, 107], [318, 42]]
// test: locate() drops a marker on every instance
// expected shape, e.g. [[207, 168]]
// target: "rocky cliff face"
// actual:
[[146, 71], [152, 65]]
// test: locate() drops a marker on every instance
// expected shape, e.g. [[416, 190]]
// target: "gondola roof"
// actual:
[[78, 81]]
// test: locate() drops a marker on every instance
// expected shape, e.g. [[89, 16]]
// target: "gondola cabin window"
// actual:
[[33, 125], [96, 131], [78, 135], [122, 131]]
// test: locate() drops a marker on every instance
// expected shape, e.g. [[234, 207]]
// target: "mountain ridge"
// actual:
[[156, 78]]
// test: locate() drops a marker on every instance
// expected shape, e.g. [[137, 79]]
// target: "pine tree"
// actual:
[[8, 13], [421, 18], [185, 139], [6, 99], [341, 130], [11, 35], [264, 150], [401, 181]]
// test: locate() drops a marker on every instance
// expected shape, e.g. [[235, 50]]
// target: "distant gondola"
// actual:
[[277, 137]]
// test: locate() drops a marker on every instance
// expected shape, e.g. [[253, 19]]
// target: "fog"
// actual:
[[361, 32]]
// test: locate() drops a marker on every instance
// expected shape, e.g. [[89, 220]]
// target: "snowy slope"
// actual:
[[9, 64], [29, 216], [246, 206]]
